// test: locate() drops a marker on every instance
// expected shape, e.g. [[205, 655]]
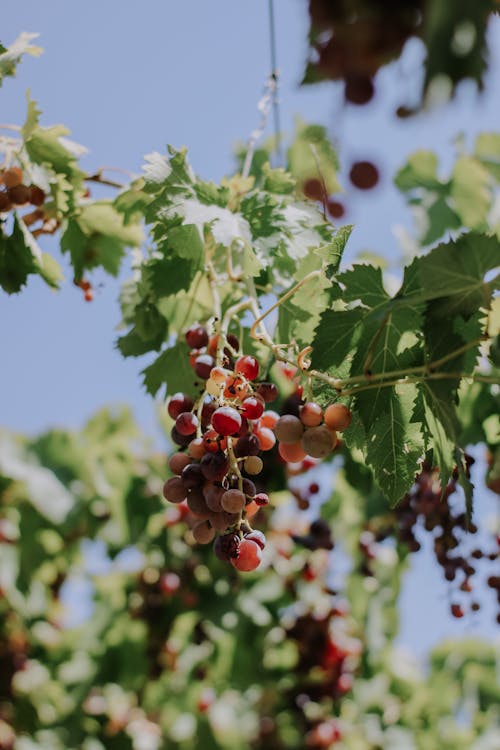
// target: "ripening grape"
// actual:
[[261, 499], [177, 462], [337, 417], [203, 532], [249, 557], [227, 546], [12, 177], [214, 442], [196, 448], [267, 391], [196, 337], [248, 487], [311, 414], [236, 387], [313, 189], [364, 175], [252, 407], [179, 439], [253, 465], [214, 466], [269, 419], [5, 204], [192, 476], [226, 420], [248, 445], [266, 438], [186, 423], [19, 195], [197, 503], [233, 501], [335, 209], [174, 490], [256, 536], [213, 496], [291, 452], [288, 429], [247, 366], [36, 196], [318, 442], [203, 366], [219, 375]]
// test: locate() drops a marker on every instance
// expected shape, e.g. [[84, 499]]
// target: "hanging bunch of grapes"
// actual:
[[223, 439]]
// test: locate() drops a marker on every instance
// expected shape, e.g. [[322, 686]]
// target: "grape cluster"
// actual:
[[427, 506], [14, 193], [222, 437]]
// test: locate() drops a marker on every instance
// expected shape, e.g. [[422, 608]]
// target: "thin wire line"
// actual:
[[275, 76]]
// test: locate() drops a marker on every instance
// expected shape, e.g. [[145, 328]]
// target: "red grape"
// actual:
[[252, 407], [250, 555], [178, 403], [196, 337], [247, 366], [186, 423], [226, 420]]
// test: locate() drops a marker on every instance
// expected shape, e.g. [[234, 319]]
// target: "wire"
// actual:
[[275, 76]]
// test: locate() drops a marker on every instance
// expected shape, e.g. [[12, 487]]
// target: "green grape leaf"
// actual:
[[420, 171], [98, 236], [394, 445], [439, 218], [167, 276], [16, 259], [132, 344], [470, 192], [172, 370]]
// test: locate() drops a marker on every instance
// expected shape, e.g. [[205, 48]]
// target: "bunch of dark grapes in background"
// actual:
[[430, 508], [223, 439]]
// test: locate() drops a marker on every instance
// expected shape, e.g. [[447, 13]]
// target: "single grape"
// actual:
[[89, 295], [313, 189], [364, 175], [256, 536], [337, 417], [5, 204], [335, 208], [203, 366], [248, 445], [456, 610], [179, 439], [19, 195], [203, 532], [213, 496], [268, 391], [311, 414], [292, 453], [269, 419], [261, 499], [196, 448], [212, 388], [247, 366], [174, 490], [253, 465], [249, 488], [177, 462], [219, 375], [179, 403], [250, 555], [288, 429], [266, 438], [318, 441], [233, 501], [192, 476], [214, 442], [196, 337], [226, 546], [226, 420], [214, 466], [37, 195], [252, 407], [12, 177], [186, 423], [206, 413], [197, 503], [359, 89]]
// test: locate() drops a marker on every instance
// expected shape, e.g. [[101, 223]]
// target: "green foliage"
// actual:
[[169, 665]]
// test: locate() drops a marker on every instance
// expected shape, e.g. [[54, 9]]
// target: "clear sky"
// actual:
[[127, 79]]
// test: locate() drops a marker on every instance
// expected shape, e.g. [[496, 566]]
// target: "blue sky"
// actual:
[[127, 79]]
